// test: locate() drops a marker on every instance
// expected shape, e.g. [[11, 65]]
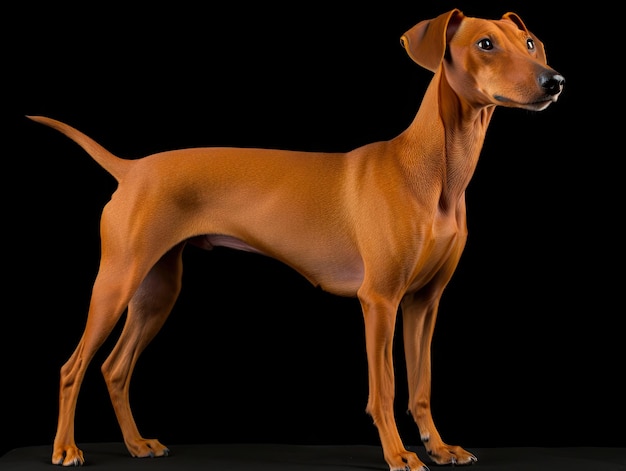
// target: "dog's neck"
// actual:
[[447, 143]]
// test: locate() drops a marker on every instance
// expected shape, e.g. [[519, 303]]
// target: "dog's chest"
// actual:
[[437, 248]]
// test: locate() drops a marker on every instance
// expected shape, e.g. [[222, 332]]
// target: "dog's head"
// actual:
[[487, 62]]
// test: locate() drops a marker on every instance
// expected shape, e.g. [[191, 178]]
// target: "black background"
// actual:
[[528, 349]]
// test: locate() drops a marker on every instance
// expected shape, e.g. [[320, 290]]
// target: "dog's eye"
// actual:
[[485, 44], [530, 44]]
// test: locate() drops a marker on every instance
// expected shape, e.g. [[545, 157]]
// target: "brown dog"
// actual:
[[384, 222]]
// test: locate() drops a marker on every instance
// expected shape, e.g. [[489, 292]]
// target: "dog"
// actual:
[[385, 223]]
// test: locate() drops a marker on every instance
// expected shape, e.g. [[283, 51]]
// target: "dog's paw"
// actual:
[[453, 455], [68, 456], [147, 448], [405, 461]]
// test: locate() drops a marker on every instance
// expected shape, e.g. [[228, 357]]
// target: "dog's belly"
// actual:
[[210, 241], [338, 276]]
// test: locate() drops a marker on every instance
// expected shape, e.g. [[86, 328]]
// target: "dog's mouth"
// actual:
[[537, 105]]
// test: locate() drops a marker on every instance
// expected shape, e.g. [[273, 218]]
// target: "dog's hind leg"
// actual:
[[124, 263], [112, 290], [147, 312], [419, 312]]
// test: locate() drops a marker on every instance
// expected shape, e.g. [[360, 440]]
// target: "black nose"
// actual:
[[553, 84]]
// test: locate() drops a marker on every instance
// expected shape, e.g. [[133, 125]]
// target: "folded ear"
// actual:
[[426, 42], [514, 17]]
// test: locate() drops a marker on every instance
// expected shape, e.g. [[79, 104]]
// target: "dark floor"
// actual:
[[251, 457]]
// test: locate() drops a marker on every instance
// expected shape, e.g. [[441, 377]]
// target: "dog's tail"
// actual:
[[116, 166]]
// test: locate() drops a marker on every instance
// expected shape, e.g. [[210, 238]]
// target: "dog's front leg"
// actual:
[[419, 312], [380, 318]]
